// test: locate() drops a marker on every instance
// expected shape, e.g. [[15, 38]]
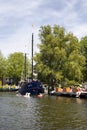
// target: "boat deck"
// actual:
[[70, 94]]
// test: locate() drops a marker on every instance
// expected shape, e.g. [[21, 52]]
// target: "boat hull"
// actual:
[[34, 88]]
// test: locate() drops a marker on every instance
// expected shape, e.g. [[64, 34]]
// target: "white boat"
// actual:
[[27, 95]]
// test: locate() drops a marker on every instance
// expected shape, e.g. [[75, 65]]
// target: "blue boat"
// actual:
[[33, 87]]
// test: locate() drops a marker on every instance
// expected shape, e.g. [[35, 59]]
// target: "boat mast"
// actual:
[[32, 54]]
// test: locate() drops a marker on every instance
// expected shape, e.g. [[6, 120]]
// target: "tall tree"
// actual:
[[2, 67], [83, 44], [16, 63], [75, 60], [49, 61], [59, 58]]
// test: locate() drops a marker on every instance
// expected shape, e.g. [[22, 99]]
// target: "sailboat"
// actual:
[[34, 87]]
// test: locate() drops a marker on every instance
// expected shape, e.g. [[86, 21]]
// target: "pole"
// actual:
[[32, 54], [25, 68]]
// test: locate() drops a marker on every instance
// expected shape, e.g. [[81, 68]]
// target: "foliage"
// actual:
[[62, 58], [59, 59], [83, 44], [15, 68], [3, 64]]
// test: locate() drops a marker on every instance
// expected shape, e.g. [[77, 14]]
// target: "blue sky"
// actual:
[[17, 17]]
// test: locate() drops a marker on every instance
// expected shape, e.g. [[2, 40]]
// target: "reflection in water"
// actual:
[[47, 113]]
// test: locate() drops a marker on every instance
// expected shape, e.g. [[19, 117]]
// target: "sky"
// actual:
[[18, 16]]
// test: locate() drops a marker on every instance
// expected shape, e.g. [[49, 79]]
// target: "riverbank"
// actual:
[[8, 88]]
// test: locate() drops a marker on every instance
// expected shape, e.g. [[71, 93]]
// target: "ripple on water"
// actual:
[[47, 113]]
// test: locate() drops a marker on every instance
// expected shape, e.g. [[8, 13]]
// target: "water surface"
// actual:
[[47, 113]]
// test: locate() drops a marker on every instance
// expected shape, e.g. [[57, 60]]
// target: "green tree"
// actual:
[[2, 67], [49, 61], [15, 66], [74, 59], [83, 44], [59, 58]]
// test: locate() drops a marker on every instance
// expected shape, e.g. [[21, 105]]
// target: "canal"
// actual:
[[47, 113]]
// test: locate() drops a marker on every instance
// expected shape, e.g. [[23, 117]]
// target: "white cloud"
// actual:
[[17, 17], [80, 31]]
